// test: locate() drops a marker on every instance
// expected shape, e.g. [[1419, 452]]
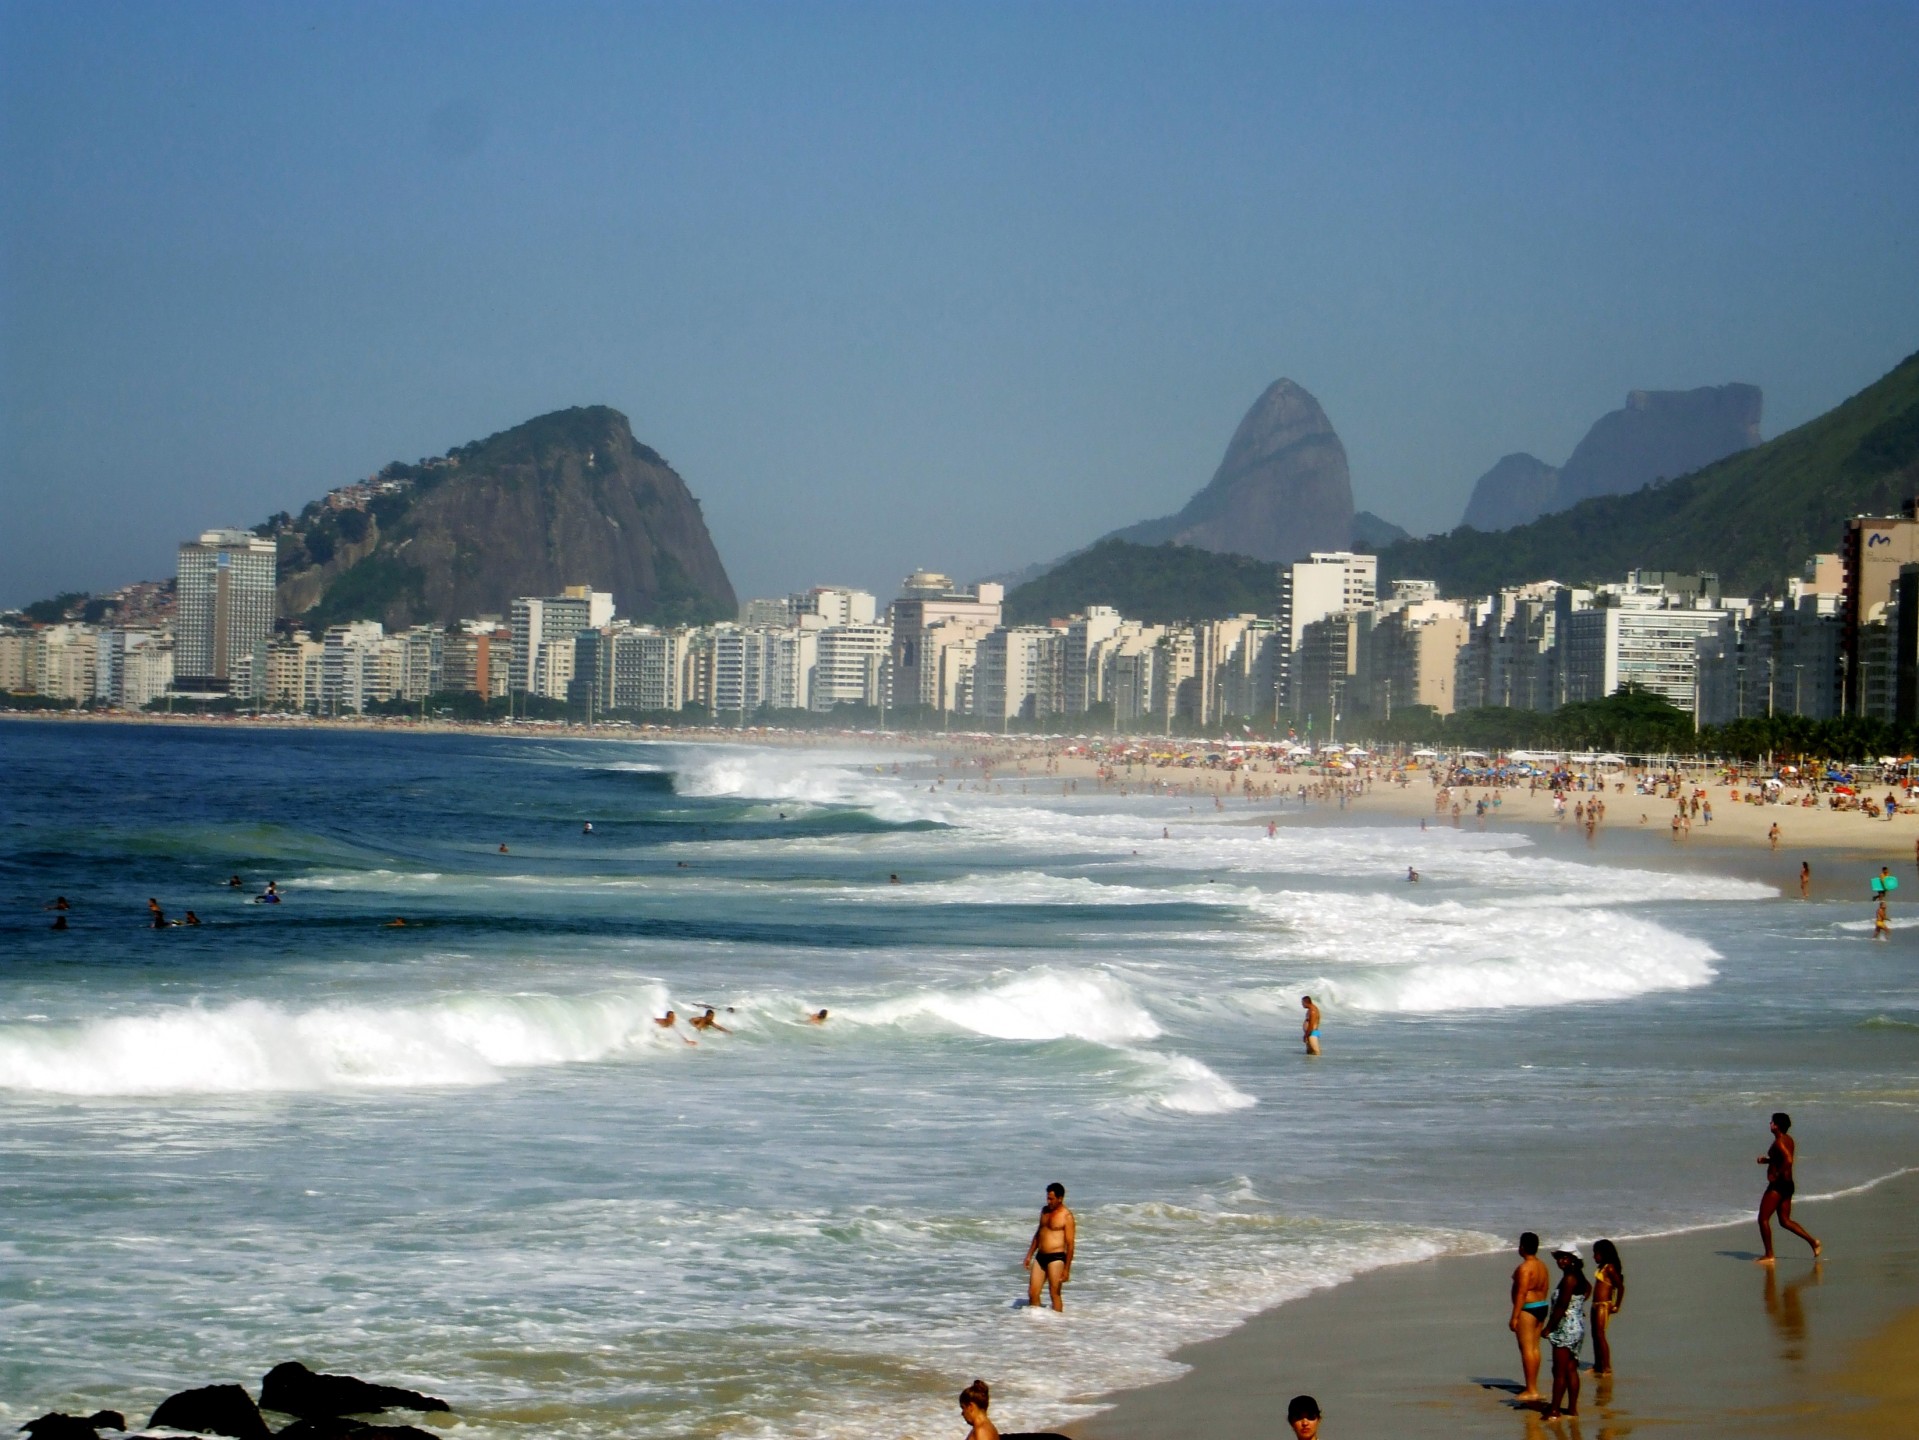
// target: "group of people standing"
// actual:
[[1551, 1311]]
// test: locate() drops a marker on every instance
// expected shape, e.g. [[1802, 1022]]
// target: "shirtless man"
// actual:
[[1532, 1303], [1309, 1031], [1049, 1258], [670, 1021], [707, 1022]]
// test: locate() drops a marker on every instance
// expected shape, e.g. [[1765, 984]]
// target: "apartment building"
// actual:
[[226, 598]]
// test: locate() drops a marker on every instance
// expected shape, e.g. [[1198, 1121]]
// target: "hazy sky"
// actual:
[[905, 284]]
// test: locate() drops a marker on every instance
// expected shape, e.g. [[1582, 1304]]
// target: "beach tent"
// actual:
[[1472, 754], [1425, 754], [1611, 760]]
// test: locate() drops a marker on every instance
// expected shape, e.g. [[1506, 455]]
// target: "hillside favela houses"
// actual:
[[1840, 639]]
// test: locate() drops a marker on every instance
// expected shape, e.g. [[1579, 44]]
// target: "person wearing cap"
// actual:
[[1566, 1329], [1302, 1413]]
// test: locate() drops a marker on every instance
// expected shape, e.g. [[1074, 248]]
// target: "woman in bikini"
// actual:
[[1609, 1293], [1779, 1188]]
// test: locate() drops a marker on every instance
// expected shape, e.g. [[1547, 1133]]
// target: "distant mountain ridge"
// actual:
[[1655, 435], [1281, 491], [567, 498], [1754, 516]]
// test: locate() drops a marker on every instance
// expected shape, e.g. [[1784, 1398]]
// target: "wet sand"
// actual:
[[1708, 1344]]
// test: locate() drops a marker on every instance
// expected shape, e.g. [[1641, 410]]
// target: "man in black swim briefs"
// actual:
[[1049, 1258]]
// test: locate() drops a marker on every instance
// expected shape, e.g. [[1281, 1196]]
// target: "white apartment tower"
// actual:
[[226, 606], [1323, 584]]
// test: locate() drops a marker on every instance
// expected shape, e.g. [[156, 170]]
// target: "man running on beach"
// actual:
[[1049, 1258], [1309, 1031], [1532, 1288]]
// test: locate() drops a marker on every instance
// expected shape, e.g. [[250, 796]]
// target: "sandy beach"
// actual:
[[1709, 1344]]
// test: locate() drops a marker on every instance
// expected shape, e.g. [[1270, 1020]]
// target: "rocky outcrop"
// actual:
[[215, 1409], [1516, 491], [1281, 492], [59, 1426], [570, 498], [1372, 532], [292, 1389], [1660, 434]]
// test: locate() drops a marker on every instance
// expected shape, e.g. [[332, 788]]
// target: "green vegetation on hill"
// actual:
[[1159, 584], [1754, 517]]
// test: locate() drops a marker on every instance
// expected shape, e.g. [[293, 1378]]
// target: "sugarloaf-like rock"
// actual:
[[1282, 491], [570, 498], [1516, 491]]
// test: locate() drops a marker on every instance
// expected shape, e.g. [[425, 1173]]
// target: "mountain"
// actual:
[[1159, 584], [1658, 435], [1370, 532], [1754, 517], [569, 498], [1519, 488], [1281, 492]]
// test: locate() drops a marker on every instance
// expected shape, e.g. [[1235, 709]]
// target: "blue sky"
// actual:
[[894, 285]]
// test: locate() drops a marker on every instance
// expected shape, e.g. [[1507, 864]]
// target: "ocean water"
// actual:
[[460, 1156]]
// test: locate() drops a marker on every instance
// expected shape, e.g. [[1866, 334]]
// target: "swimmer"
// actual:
[[396, 923], [1309, 1031], [270, 895], [892, 879], [156, 917], [235, 883], [59, 904], [1412, 874], [587, 829], [818, 1017], [503, 847], [670, 1021], [191, 919], [1302, 1413], [707, 1022]]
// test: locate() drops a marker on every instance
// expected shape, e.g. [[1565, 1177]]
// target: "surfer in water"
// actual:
[[818, 1017], [708, 1022]]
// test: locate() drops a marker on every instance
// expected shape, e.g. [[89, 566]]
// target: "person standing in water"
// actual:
[[1531, 1286], [1881, 921], [1049, 1256], [1805, 880], [1777, 1199], [1309, 1030]]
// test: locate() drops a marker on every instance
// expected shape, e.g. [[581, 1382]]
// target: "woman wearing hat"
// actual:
[[1566, 1329]]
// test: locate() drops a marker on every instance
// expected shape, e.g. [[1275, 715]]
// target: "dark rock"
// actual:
[[222, 1409], [334, 1428], [292, 1389], [1516, 491], [569, 498], [57, 1426], [1282, 491], [1660, 433], [1371, 532]]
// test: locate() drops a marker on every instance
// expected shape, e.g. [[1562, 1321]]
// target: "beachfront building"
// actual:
[[350, 667], [422, 661], [146, 671], [1871, 552], [1332, 669], [287, 673], [1511, 654], [226, 599], [476, 658], [538, 620], [1085, 634], [66, 659], [1415, 646], [1325, 583], [1018, 671], [1247, 679], [834, 605], [946, 658], [1640, 634], [928, 598], [550, 675], [855, 666], [16, 661]]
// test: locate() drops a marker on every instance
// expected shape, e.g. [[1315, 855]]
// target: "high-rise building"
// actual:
[[537, 620], [1325, 583], [1871, 552], [926, 599], [1641, 636], [225, 593], [854, 666]]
